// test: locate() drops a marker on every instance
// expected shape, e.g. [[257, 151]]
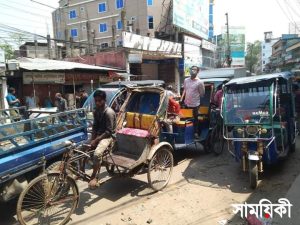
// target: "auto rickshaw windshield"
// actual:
[[244, 104]]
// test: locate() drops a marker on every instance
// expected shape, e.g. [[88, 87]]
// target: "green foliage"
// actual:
[[8, 49], [252, 56]]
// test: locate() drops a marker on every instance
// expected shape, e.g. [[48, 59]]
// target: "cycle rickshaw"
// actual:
[[51, 198]]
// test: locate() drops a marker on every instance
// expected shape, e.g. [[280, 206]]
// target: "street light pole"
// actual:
[[228, 57]]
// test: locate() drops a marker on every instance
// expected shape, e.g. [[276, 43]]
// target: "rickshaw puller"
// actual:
[[103, 129]]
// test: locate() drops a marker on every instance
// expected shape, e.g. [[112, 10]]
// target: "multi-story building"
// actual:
[[266, 51], [141, 36], [99, 23], [282, 53]]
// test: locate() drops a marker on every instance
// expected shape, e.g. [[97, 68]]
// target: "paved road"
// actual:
[[201, 191]]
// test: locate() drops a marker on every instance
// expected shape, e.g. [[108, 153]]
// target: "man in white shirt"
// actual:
[[193, 89]]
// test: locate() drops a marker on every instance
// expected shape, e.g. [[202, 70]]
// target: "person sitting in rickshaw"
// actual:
[[103, 129]]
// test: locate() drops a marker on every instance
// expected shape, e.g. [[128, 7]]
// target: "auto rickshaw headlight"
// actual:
[[240, 130], [264, 131]]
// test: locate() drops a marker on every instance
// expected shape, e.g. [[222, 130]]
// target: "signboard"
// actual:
[[138, 42], [192, 54], [135, 58], [237, 44], [192, 15], [209, 46], [43, 78]]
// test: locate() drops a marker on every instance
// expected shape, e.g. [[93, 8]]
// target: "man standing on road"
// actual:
[[193, 90], [60, 103], [13, 102], [82, 98], [103, 129]]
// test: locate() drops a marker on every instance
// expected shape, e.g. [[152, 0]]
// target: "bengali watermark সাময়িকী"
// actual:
[[264, 209]]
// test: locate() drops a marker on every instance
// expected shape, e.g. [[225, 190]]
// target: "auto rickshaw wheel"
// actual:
[[160, 169], [293, 147], [253, 173], [217, 141]]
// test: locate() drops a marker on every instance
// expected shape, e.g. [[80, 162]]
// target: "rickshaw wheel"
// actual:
[[160, 169], [57, 167], [253, 173], [48, 199]]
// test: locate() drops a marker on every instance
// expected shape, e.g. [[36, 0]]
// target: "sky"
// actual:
[[257, 16]]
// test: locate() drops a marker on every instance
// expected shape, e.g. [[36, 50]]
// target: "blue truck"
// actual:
[[28, 146]]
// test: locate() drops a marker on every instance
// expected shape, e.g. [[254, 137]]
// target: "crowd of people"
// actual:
[[33, 101]]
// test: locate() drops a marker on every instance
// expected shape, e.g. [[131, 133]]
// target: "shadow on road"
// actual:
[[7, 212]]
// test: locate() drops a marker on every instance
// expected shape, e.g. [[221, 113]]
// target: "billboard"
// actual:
[[237, 44], [192, 15], [192, 54]]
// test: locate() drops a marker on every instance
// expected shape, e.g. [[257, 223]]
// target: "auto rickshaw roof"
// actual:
[[217, 79], [259, 78], [135, 83]]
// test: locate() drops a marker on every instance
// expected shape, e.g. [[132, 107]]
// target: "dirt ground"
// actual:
[[201, 191]]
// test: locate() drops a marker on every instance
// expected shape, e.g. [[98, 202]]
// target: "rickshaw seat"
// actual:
[[134, 132], [139, 121], [186, 113]]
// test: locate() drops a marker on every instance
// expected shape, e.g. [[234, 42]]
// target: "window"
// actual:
[[82, 9], [150, 2], [72, 14], [119, 25], [59, 35], [74, 32], [120, 43], [150, 22], [133, 18], [264, 62], [102, 7], [119, 4], [102, 27], [264, 47], [104, 45], [83, 27], [263, 54]]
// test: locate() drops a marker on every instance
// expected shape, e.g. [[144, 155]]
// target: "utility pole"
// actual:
[[71, 46], [113, 30], [88, 30], [35, 47], [49, 46], [228, 55]]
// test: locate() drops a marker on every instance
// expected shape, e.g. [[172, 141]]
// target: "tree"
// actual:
[[8, 50], [252, 56], [15, 40]]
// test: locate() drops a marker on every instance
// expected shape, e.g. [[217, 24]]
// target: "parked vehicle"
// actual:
[[116, 93], [54, 196], [209, 123], [259, 117], [27, 146]]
